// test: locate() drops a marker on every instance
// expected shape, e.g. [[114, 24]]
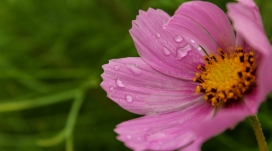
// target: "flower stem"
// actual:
[[259, 133]]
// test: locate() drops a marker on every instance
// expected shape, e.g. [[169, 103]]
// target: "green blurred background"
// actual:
[[51, 53]]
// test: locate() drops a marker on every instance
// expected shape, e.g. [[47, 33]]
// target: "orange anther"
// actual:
[[225, 76]]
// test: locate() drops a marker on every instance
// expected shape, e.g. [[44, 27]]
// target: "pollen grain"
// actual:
[[225, 76]]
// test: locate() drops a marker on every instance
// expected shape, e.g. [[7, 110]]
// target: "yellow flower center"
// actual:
[[226, 76]]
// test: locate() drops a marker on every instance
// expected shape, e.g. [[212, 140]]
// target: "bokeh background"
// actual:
[[51, 53]]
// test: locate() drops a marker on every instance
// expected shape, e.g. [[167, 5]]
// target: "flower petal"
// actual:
[[140, 89], [264, 85], [185, 129], [164, 132], [204, 22], [255, 10], [163, 51], [225, 117], [247, 22], [265, 74]]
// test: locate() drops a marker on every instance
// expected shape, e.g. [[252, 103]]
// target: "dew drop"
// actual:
[[129, 98], [117, 67], [128, 137], [156, 136], [111, 88], [166, 51], [199, 48], [181, 52], [192, 41], [119, 83], [134, 69], [178, 38], [158, 35]]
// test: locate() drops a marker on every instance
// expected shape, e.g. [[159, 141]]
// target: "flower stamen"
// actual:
[[226, 76]]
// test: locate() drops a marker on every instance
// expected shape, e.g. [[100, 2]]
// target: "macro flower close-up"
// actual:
[[199, 73], [135, 75]]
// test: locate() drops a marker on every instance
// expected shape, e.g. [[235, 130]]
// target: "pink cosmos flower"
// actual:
[[194, 78]]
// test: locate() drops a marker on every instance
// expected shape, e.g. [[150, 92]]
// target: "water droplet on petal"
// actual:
[[156, 136], [134, 69], [119, 83], [178, 38], [199, 48], [192, 41], [128, 137], [129, 98], [166, 51], [181, 52], [158, 34], [111, 88], [117, 67]]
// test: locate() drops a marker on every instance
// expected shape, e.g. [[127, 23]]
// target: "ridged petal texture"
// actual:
[[140, 89], [163, 132], [162, 50], [159, 83], [248, 24], [185, 129], [204, 22]]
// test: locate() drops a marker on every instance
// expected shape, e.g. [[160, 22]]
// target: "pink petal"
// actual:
[[163, 132], [265, 74], [255, 10], [225, 117], [247, 22], [264, 84], [170, 54], [140, 89], [204, 22], [185, 129], [240, 42], [195, 146]]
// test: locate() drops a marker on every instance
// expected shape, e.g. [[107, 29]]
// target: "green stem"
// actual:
[[70, 124], [42, 101], [9, 106], [259, 133], [69, 143], [66, 133]]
